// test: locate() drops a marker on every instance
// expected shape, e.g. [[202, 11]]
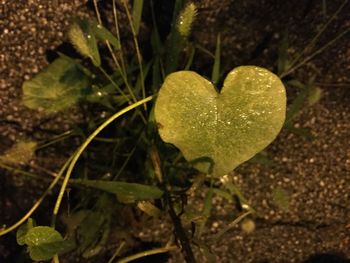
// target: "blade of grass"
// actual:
[[175, 42], [297, 103], [116, 23], [216, 68], [283, 61], [138, 53], [137, 14], [190, 58], [122, 71], [207, 206]]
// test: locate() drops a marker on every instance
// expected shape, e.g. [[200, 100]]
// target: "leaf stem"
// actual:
[[147, 253], [180, 232], [81, 149]]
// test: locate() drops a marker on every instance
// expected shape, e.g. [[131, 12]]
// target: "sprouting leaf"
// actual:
[[126, 192], [281, 198], [103, 34], [283, 63], [315, 95], [215, 75], [229, 127], [298, 102], [56, 88], [137, 14], [44, 242], [20, 153]]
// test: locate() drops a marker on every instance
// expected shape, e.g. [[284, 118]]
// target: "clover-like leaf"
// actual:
[[222, 129], [56, 88], [44, 242]]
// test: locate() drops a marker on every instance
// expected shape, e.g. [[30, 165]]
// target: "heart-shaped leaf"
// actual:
[[225, 128]]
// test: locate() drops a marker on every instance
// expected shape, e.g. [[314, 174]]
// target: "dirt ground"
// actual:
[[314, 171]]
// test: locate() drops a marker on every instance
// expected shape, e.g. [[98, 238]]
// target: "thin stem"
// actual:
[[116, 85], [121, 71], [315, 53], [56, 139], [147, 253], [180, 232], [314, 40], [82, 148], [117, 252], [138, 53], [115, 15], [231, 225], [22, 172], [38, 202]]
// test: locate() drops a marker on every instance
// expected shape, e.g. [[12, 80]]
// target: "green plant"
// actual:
[[122, 164]]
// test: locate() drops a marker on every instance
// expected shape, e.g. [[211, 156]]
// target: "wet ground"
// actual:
[[313, 171]]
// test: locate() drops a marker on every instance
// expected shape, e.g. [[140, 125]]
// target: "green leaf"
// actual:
[[56, 88], [126, 192], [20, 153], [137, 14], [215, 75], [44, 242], [298, 103], [104, 34], [227, 128], [23, 230]]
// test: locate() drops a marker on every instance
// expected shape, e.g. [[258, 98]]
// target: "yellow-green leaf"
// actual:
[[227, 128], [56, 88], [20, 153]]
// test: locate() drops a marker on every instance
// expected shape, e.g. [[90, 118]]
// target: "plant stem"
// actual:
[[180, 232], [147, 253], [231, 225], [120, 68], [82, 148], [138, 53]]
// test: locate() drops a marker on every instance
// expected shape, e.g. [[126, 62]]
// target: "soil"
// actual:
[[314, 171]]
